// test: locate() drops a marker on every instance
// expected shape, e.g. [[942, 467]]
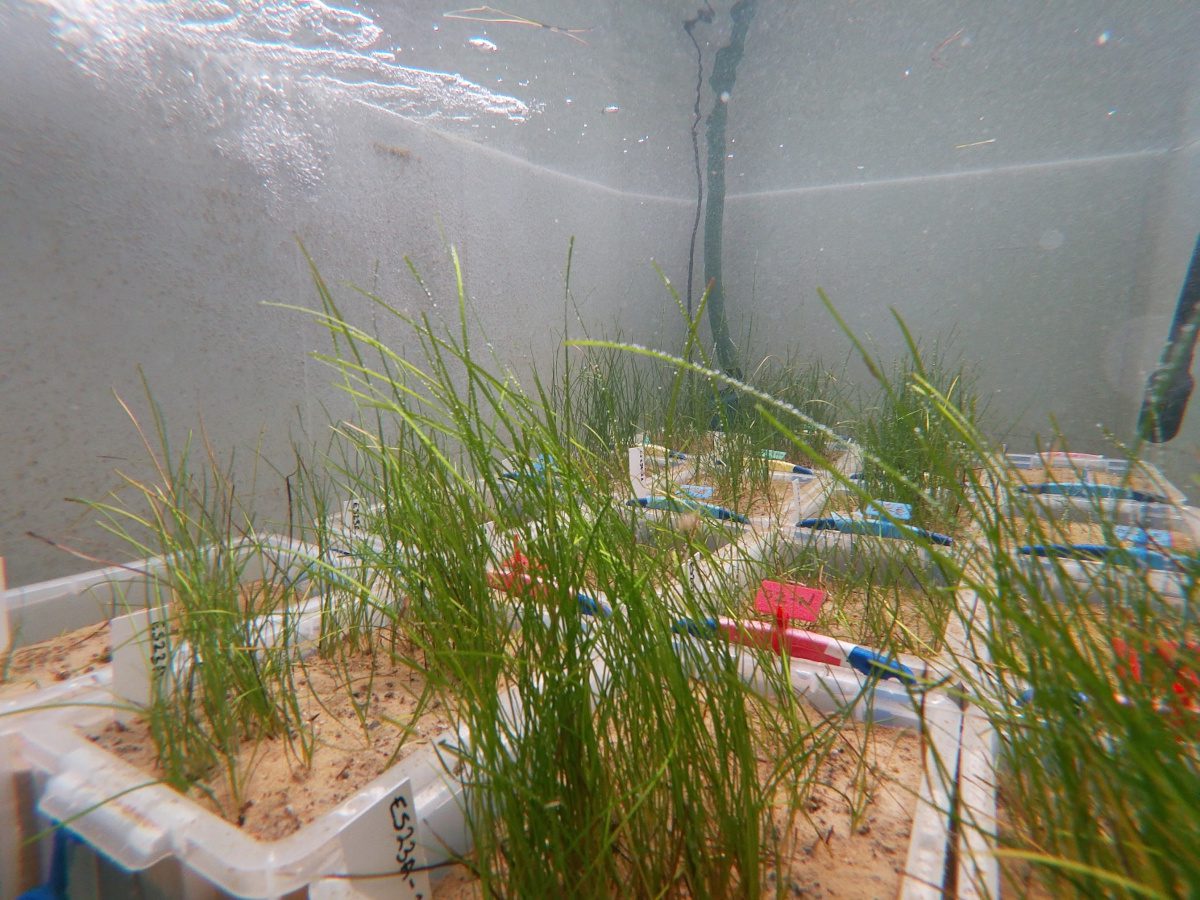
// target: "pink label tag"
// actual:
[[797, 602]]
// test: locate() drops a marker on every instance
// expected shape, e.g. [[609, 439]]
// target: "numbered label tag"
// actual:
[[794, 601], [141, 653], [380, 857], [637, 471], [352, 519]]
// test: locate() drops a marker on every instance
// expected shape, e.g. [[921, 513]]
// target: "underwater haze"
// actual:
[[1021, 178]]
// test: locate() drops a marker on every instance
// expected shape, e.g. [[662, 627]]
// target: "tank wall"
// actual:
[[1024, 176], [132, 237], [1021, 175]]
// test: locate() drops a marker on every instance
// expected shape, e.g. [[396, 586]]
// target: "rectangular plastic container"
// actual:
[[1096, 578], [151, 828], [39, 612], [151, 837]]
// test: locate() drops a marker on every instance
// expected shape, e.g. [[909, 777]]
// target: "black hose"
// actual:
[[1169, 387], [724, 74], [704, 14]]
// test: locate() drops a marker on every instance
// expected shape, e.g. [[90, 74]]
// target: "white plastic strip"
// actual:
[[978, 867]]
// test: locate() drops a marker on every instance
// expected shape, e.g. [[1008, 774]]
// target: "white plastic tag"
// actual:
[[141, 652], [637, 471], [352, 519], [380, 857]]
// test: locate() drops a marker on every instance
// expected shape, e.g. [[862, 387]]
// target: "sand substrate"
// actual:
[[1067, 532], [848, 836], [362, 711], [84, 650], [61, 658]]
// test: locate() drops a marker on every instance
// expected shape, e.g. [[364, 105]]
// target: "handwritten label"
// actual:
[[699, 491], [404, 829], [793, 601], [352, 518], [141, 653], [637, 471], [380, 856], [772, 454]]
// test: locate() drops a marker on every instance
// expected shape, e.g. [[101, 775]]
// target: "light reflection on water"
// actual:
[[255, 73]]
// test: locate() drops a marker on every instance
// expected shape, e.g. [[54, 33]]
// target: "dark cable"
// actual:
[[702, 15], [1169, 387], [721, 80]]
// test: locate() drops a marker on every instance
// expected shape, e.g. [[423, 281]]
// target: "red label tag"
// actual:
[[793, 601]]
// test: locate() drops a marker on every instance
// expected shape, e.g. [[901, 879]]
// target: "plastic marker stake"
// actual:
[[772, 455], [141, 653], [352, 519], [699, 491], [380, 859], [796, 602], [801, 644], [637, 472]]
